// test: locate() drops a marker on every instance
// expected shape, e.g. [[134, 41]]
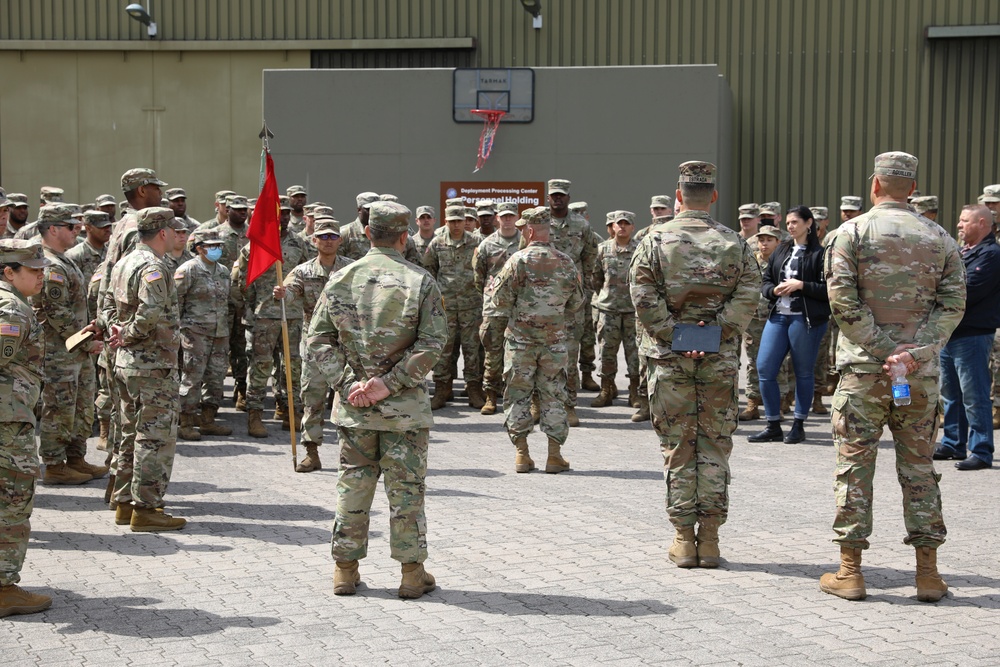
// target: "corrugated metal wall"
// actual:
[[819, 86]]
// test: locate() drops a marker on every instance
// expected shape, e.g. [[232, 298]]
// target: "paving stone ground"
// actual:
[[533, 569]]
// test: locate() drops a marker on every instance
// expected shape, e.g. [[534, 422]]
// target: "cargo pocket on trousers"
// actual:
[[839, 416], [842, 484]]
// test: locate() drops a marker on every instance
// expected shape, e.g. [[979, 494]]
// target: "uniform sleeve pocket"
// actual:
[[842, 485]]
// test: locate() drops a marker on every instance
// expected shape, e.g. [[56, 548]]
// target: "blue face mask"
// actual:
[[213, 253]]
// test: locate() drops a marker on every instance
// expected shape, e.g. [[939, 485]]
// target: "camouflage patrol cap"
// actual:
[[206, 237], [981, 199], [470, 212], [991, 194], [578, 206], [51, 194], [308, 209], [366, 198], [326, 224], [51, 214], [98, 219], [661, 201], [251, 202], [697, 171], [389, 216], [627, 216], [158, 217], [507, 208], [540, 215], [486, 207], [317, 203], [135, 178], [18, 199], [925, 203], [559, 186], [769, 230], [820, 212], [26, 252], [426, 210], [77, 210], [769, 208], [455, 201], [749, 211], [236, 201], [295, 190], [222, 195], [285, 203], [123, 205], [610, 215], [895, 163], [322, 211], [850, 203], [4, 202], [104, 200], [913, 195], [388, 197], [454, 213], [175, 193]]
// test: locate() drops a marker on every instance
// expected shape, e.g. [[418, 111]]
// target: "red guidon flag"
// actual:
[[265, 227]]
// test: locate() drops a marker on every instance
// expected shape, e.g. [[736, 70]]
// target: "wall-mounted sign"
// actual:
[[526, 194]]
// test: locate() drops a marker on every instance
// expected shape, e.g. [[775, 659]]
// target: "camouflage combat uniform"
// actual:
[[752, 341], [615, 317], [538, 292], [420, 243], [380, 317], [234, 239], [488, 259], [687, 270], [203, 289], [893, 277], [173, 263]]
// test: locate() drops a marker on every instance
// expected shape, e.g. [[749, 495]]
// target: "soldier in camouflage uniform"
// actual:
[[22, 353], [353, 242], [588, 339], [203, 288], [765, 241], [694, 270], [377, 330], [490, 256], [5, 206], [821, 370], [426, 224], [537, 292], [180, 253], [262, 321], [296, 199], [221, 210], [67, 415], [304, 284], [449, 260], [177, 202], [106, 203], [18, 212], [897, 287], [661, 209], [145, 333], [615, 313], [233, 233]]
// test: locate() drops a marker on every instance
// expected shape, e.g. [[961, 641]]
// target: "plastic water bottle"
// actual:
[[900, 385]]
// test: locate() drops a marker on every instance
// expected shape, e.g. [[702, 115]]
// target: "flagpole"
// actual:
[[288, 368]]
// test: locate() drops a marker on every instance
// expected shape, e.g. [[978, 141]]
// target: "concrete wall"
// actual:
[[617, 133]]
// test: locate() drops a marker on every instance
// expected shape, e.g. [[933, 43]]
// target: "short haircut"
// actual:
[[147, 234], [981, 210], [896, 187], [383, 238], [697, 194], [44, 227]]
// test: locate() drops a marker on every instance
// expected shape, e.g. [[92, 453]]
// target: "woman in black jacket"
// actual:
[[793, 283]]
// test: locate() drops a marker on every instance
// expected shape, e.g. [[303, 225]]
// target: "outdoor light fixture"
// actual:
[[534, 7], [139, 13]]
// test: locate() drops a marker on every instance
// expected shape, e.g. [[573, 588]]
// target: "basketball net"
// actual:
[[491, 121]]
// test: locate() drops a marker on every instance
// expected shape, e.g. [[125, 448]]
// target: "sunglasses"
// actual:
[[327, 237]]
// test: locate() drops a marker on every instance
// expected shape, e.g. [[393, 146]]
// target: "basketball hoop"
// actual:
[[491, 121]]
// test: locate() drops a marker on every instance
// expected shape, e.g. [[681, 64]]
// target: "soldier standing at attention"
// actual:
[[67, 416], [615, 312], [766, 241], [177, 202], [203, 288], [897, 287], [821, 370], [377, 330], [537, 292], [426, 224], [22, 354], [487, 261], [233, 233], [693, 270], [353, 242], [145, 334], [297, 196], [221, 210], [305, 283], [19, 212]]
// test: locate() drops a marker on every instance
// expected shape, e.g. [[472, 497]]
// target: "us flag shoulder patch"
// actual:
[[153, 276], [57, 277], [10, 330]]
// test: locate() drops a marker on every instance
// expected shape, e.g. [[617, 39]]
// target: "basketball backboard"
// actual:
[[506, 89]]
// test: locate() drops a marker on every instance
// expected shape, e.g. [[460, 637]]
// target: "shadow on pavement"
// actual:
[[126, 544], [274, 533], [133, 617], [460, 494], [295, 512], [218, 448], [617, 474], [198, 488], [467, 427], [465, 472], [536, 604]]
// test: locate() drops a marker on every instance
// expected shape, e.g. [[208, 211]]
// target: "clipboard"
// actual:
[[77, 340], [690, 337]]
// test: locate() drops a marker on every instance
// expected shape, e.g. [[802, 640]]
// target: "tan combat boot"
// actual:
[[15, 600], [442, 392], [311, 462], [522, 461], [555, 463], [684, 552], [208, 425], [708, 542], [109, 489], [751, 411], [60, 473], [818, 408], [255, 427], [587, 382], [475, 390], [79, 464], [633, 392], [930, 585], [346, 577], [123, 515], [241, 401], [571, 418], [146, 520], [490, 406], [847, 582], [187, 429], [607, 394], [286, 422], [280, 412], [536, 408], [642, 413], [416, 581], [102, 439]]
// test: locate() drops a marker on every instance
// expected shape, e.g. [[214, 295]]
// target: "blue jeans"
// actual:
[[781, 333], [965, 392]]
